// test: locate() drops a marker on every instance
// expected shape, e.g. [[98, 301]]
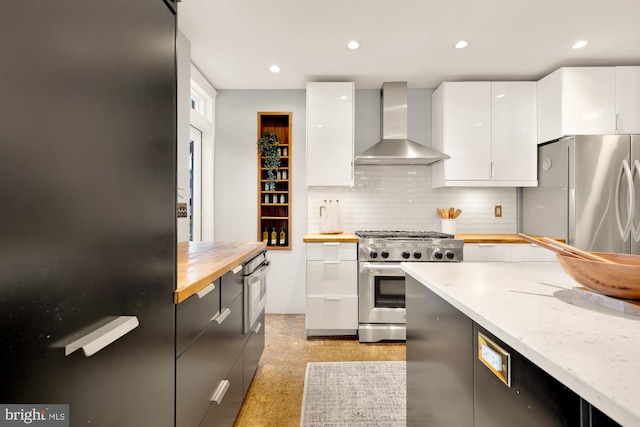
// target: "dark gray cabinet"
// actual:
[[534, 398], [215, 360], [448, 385], [439, 364]]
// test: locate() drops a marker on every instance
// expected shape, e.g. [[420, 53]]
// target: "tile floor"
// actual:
[[275, 396]]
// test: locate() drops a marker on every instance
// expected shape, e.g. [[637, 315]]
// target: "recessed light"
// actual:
[[580, 44], [343, 97], [501, 95], [274, 69], [353, 44], [461, 44]]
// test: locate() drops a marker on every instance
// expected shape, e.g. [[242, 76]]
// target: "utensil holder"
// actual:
[[449, 226]]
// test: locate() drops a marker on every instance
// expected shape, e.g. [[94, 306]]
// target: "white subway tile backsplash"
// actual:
[[401, 198]]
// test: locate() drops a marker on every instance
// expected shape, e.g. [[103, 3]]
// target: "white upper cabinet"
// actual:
[[628, 100], [514, 148], [330, 133], [589, 101], [489, 130]]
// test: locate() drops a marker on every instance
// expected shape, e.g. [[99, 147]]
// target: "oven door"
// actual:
[[255, 294], [381, 295]]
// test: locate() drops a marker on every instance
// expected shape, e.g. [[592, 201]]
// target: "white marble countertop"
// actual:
[[592, 349]]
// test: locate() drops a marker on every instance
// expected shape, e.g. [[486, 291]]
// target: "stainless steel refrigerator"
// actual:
[[88, 217], [588, 189]]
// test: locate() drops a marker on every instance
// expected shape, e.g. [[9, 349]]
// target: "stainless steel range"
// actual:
[[381, 281]]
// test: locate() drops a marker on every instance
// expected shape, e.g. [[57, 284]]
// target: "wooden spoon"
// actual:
[[579, 252], [451, 212], [457, 213], [552, 248]]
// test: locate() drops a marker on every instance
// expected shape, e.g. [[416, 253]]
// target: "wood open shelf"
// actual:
[[274, 207]]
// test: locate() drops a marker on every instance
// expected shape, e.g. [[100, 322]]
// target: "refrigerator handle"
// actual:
[[625, 170], [635, 229]]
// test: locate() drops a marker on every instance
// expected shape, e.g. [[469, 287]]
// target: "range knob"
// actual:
[[437, 255], [449, 255], [384, 254], [417, 254], [406, 254], [373, 254]]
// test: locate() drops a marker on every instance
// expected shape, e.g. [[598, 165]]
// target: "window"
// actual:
[[195, 184]]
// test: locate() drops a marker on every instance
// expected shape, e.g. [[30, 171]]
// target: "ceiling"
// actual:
[[234, 42]]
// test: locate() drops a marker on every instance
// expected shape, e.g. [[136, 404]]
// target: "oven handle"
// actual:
[[257, 273], [382, 266]]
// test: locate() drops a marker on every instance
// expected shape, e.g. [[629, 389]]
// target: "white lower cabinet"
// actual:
[[497, 252], [332, 289]]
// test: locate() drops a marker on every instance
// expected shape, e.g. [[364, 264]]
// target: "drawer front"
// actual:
[[524, 252], [205, 363], [332, 251], [332, 278], [487, 252], [195, 313], [199, 370], [332, 312], [224, 414], [253, 351], [230, 287]]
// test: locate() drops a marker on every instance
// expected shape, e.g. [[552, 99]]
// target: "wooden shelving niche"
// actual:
[[274, 206]]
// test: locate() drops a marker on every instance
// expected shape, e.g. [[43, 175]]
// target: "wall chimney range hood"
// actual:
[[395, 148]]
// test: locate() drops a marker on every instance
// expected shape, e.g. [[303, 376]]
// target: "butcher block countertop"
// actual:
[[496, 238], [329, 238], [200, 263]]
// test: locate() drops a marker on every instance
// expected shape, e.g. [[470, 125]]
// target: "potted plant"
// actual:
[[268, 146]]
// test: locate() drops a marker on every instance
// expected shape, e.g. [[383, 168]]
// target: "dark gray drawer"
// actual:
[[194, 314], [224, 414], [205, 363], [253, 351], [231, 287]]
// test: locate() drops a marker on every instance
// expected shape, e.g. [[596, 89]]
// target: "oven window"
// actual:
[[389, 292]]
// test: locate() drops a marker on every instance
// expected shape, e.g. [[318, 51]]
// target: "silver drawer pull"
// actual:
[[218, 395], [332, 262], [103, 336], [486, 244], [331, 243], [337, 298], [223, 315], [237, 270], [257, 328], [206, 290]]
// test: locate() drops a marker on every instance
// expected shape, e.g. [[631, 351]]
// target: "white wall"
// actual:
[[236, 185]]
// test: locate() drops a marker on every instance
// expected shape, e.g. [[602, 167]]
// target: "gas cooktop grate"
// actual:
[[385, 234]]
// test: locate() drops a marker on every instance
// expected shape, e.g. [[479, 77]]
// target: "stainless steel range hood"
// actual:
[[395, 148]]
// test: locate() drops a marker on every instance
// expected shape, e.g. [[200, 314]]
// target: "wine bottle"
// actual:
[[265, 236], [282, 236], [274, 237]]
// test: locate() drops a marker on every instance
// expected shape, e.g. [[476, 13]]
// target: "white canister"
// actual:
[[449, 226]]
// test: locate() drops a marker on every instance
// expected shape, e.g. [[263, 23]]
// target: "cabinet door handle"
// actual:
[[223, 315], [335, 298], [331, 243], [218, 395], [206, 290], [257, 328], [237, 270], [103, 336], [332, 262], [486, 244]]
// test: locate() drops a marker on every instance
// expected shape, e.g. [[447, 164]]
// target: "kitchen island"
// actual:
[[534, 309]]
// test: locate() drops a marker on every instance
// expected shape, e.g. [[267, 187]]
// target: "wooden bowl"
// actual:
[[620, 280]]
